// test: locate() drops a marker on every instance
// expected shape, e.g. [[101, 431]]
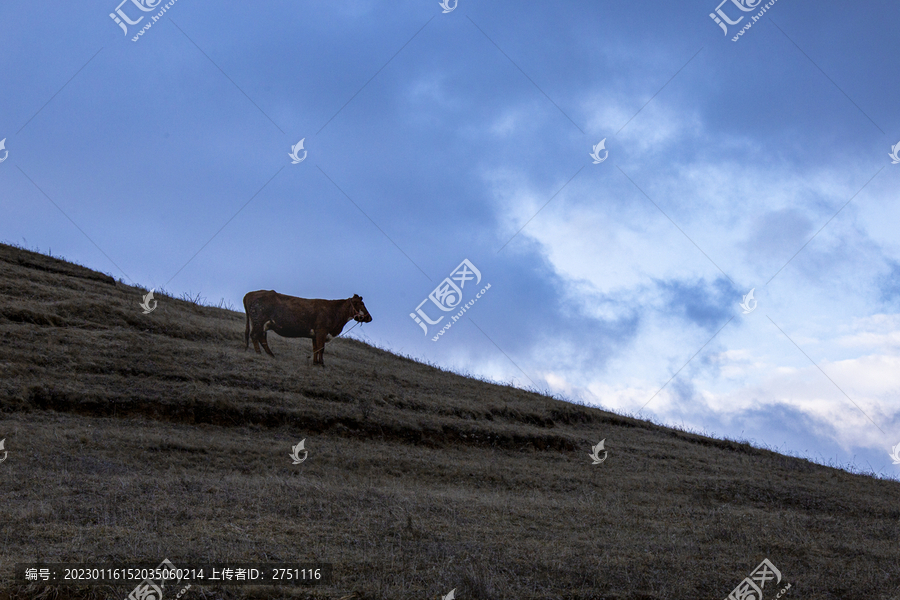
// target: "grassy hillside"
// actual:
[[137, 437]]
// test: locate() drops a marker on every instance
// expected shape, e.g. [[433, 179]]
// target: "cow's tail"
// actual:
[[247, 328]]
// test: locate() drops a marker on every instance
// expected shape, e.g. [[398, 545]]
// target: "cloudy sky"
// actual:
[[730, 163]]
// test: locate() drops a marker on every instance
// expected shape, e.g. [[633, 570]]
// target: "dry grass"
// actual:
[[138, 437]]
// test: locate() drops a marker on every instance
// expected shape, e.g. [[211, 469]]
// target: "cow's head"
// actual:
[[359, 310]]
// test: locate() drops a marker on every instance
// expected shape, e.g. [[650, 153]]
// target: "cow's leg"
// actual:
[[254, 336], [265, 345], [319, 349]]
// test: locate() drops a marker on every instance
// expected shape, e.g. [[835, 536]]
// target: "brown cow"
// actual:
[[289, 316]]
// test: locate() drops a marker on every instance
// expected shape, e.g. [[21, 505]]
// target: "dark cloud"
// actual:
[[704, 304]]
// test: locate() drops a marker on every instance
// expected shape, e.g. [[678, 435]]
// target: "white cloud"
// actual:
[[611, 248]]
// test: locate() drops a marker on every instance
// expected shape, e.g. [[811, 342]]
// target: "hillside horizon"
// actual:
[[198, 299], [419, 480]]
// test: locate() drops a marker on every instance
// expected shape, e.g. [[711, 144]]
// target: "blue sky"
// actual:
[[433, 137]]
